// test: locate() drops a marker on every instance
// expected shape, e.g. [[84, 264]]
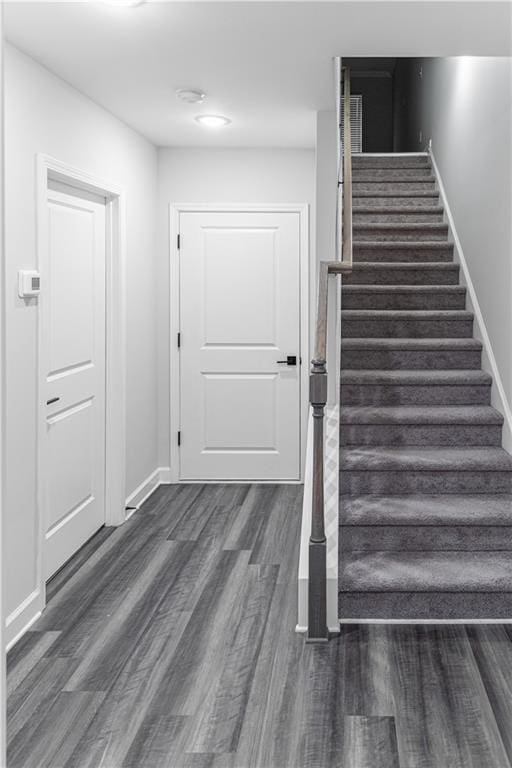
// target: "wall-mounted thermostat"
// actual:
[[29, 283]]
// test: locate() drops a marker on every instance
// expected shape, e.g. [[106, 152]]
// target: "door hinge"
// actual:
[[179, 438], [178, 241], [179, 339]]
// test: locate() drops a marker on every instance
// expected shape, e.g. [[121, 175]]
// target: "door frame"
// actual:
[[175, 209], [48, 168]]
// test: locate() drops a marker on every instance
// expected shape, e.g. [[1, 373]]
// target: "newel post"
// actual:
[[317, 598]]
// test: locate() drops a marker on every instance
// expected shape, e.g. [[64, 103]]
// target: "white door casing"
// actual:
[[72, 316], [239, 313]]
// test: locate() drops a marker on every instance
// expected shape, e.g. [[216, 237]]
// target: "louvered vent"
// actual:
[[356, 123]]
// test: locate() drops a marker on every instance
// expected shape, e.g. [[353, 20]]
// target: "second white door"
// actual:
[[240, 345]]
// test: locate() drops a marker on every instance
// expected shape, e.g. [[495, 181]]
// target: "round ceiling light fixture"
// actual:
[[190, 96], [213, 121]]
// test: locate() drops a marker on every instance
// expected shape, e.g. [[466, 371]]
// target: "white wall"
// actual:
[[3, 760], [463, 105], [326, 185], [218, 176], [44, 114]]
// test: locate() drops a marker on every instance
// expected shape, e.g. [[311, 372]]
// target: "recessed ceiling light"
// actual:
[[124, 3], [213, 121], [190, 95]]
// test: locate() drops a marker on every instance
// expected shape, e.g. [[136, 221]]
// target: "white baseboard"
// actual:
[[22, 618], [489, 365], [165, 475], [161, 475]]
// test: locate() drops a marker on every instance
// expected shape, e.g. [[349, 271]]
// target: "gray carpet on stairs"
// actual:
[[425, 486]]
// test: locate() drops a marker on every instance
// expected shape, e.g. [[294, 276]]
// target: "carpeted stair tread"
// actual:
[[432, 378], [395, 387], [427, 510], [392, 175], [391, 323], [407, 314], [406, 297], [399, 245], [376, 200], [426, 572], [410, 344], [434, 226], [397, 215], [423, 289], [419, 459], [392, 251], [403, 273], [371, 160], [400, 353], [406, 252], [422, 414], [396, 266], [394, 187], [391, 209], [402, 193]]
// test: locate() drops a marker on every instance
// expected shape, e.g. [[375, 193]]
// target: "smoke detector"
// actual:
[[190, 96]]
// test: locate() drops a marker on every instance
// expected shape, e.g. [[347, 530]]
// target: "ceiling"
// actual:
[[266, 65]]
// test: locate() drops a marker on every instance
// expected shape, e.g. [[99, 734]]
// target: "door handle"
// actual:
[[290, 360], [52, 400]]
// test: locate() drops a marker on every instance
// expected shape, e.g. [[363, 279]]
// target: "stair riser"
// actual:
[[407, 328], [363, 254], [449, 435], [359, 482], [378, 275], [392, 174], [372, 200], [415, 395], [393, 187], [390, 161], [425, 605], [403, 301], [422, 538], [411, 359], [413, 217], [397, 235]]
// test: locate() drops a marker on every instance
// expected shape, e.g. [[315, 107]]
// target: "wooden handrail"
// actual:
[[317, 582], [347, 170]]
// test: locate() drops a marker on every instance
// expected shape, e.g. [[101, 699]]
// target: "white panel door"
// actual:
[[72, 305], [239, 316]]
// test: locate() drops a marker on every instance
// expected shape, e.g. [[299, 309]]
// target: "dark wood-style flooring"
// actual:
[[171, 643]]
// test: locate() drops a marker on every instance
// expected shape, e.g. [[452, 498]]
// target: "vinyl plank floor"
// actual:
[[443, 714], [170, 643], [370, 741]]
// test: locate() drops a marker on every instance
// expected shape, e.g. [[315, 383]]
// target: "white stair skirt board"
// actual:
[[331, 495], [424, 621], [489, 364]]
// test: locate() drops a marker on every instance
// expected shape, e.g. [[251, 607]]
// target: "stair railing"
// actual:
[[346, 182], [318, 379]]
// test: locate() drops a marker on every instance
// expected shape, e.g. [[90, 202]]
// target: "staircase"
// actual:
[[426, 488]]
